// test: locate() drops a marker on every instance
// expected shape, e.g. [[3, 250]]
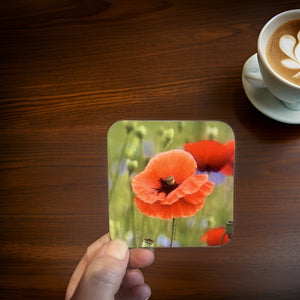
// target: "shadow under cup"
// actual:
[[286, 91]]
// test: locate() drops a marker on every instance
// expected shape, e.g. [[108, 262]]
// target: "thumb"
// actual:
[[104, 274]]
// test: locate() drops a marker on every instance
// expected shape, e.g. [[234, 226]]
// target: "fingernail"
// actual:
[[117, 249]]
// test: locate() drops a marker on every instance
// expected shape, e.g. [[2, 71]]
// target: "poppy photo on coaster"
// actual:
[[171, 183]]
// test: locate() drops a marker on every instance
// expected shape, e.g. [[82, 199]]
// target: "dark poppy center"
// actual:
[[167, 185]]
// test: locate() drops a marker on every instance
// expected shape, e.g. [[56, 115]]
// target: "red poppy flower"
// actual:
[[168, 187], [209, 155], [228, 168], [215, 236]]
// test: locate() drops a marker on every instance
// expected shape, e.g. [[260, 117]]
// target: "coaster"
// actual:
[[171, 183]]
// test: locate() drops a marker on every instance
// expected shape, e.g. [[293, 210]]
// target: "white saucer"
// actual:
[[264, 101]]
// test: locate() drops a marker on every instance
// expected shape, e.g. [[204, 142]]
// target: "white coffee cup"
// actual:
[[264, 76]]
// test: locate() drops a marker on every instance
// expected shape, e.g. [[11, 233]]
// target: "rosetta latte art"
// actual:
[[291, 47]]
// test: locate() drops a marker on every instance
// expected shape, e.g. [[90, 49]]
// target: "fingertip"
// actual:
[[141, 291], [147, 291], [141, 257]]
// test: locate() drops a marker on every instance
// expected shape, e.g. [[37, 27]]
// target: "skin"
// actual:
[[109, 270]]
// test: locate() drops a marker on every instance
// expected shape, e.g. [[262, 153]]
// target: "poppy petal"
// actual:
[[209, 155], [183, 196], [176, 163], [145, 185], [189, 186], [204, 237], [228, 169], [214, 236], [178, 209], [201, 194]]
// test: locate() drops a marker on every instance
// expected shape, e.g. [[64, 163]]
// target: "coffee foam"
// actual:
[[283, 51], [291, 47]]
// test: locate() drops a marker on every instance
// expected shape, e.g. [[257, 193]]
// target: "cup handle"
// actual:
[[253, 74]]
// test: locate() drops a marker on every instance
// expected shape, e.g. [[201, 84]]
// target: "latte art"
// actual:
[[283, 51], [290, 47]]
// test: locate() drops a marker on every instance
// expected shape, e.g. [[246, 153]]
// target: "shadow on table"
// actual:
[[263, 127]]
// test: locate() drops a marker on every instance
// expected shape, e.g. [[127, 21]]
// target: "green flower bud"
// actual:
[[229, 228], [141, 132], [130, 125], [132, 165], [148, 243]]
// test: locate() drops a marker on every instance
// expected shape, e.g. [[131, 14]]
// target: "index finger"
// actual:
[[140, 258]]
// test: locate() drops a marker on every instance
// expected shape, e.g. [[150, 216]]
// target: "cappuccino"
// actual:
[[283, 51]]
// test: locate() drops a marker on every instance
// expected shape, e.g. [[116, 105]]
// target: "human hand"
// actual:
[[109, 270]]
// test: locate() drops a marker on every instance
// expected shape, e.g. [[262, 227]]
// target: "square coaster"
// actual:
[[171, 183]]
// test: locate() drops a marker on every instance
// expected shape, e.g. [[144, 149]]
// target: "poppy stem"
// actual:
[[222, 239], [173, 232]]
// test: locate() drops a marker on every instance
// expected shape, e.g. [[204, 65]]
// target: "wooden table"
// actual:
[[70, 69]]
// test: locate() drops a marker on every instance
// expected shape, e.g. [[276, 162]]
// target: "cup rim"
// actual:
[[261, 52]]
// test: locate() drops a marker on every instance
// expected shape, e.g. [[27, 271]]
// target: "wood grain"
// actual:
[[70, 69]]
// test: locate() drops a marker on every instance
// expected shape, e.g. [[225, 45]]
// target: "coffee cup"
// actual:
[[278, 59]]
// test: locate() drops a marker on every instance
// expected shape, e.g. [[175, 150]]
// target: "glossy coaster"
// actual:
[[171, 183]]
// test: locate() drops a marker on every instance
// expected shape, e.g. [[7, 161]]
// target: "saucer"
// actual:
[[264, 101]]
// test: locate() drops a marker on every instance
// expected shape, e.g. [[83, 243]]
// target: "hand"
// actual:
[[108, 271]]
